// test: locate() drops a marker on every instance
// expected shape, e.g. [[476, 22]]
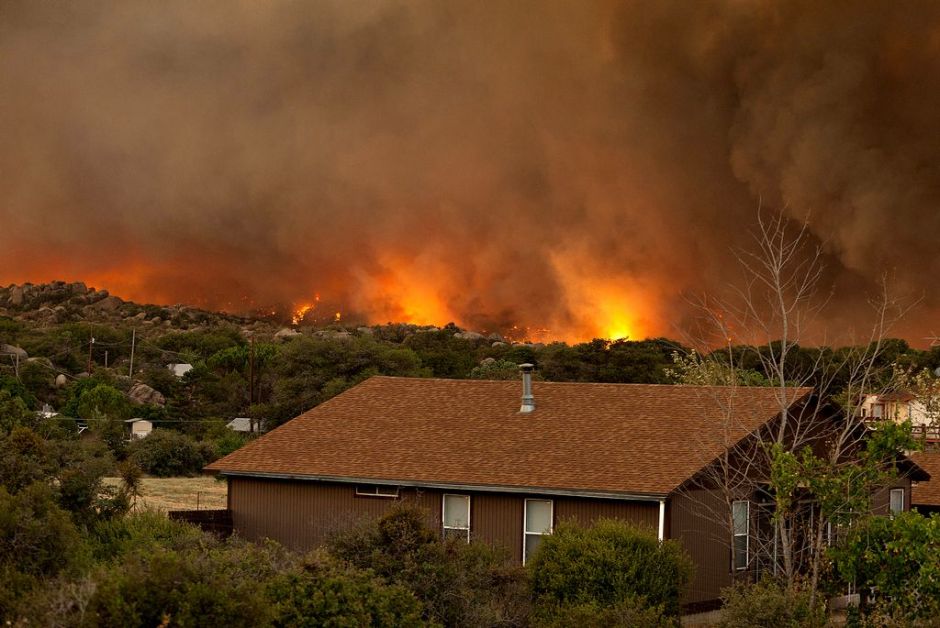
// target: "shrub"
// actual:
[[630, 612], [459, 584], [37, 540], [145, 531], [607, 564], [220, 586], [769, 603], [166, 453], [36, 535], [326, 592]]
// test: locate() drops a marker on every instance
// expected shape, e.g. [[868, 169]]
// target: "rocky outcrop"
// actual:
[[143, 394]]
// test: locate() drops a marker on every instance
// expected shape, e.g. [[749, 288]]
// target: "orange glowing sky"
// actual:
[[569, 169]]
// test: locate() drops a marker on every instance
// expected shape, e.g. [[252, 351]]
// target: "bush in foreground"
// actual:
[[609, 565], [459, 584], [769, 603], [326, 592]]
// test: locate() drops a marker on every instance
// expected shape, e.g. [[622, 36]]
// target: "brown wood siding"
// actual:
[[496, 518], [303, 515], [881, 500], [586, 511], [694, 524]]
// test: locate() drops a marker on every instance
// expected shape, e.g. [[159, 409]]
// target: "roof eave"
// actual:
[[483, 488]]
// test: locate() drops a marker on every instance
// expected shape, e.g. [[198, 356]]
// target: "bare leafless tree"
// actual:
[[762, 321]]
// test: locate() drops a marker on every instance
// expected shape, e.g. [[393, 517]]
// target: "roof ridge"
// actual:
[[575, 383]]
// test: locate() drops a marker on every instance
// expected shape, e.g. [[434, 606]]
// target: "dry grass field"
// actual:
[[180, 493]]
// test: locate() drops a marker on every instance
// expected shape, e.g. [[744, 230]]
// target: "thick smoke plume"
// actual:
[[575, 166]]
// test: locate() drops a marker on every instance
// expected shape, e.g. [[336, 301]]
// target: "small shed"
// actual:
[[180, 369], [138, 428], [243, 424]]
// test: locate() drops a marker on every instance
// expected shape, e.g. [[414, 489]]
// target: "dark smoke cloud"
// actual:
[[514, 159]]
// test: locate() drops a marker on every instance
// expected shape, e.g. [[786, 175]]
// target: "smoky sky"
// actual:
[[509, 161]]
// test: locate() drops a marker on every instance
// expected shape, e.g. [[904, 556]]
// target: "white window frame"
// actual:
[[377, 490], [891, 494], [444, 525], [525, 522], [746, 534]]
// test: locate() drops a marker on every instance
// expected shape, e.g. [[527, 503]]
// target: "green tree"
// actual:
[[898, 558], [497, 369], [105, 408], [13, 412], [15, 388], [167, 453]]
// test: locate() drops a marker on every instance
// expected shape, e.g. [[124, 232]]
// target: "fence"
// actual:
[[218, 522]]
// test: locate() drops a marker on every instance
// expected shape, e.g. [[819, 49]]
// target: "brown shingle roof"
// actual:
[[927, 493], [619, 438]]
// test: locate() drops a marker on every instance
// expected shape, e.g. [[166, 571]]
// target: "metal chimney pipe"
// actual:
[[528, 401]]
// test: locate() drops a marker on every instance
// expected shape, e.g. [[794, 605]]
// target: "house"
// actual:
[[904, 406], [179, 369], [245, 425], [925, 495], [47, 412], [138, 428], [485, 466]]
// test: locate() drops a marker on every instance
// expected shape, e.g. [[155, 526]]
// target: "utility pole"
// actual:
[[106, 358], [130, 370], [251, 384], [91, 343]]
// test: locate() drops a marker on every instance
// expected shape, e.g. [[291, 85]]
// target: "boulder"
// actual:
[[333, 335], [16, 296], [109, 303], [142, 393], [61, 381], [469, 335], [14, 350], [286, 334], [498, 344]]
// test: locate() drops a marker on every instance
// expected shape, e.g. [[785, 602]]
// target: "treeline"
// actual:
[[276, 379]]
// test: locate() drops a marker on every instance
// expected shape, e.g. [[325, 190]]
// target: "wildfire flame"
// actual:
[[301, 310]]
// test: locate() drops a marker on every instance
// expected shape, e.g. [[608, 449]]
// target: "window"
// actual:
[[457, 516], [741, 515], [376, 490], [896, 501], [877, 411], [537, 523]]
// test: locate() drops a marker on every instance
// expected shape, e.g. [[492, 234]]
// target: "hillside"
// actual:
[[60, 302]]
